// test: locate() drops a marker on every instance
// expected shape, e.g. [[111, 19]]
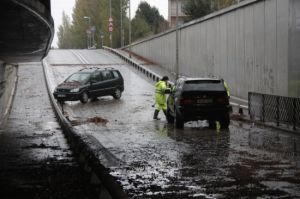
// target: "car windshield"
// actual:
[[204, 85], [79, 77]]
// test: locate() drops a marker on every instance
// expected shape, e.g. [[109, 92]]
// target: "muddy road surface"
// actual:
[[152, 159]]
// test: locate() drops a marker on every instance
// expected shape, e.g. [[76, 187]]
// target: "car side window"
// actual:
[[107, 75], [116, 74], [97, 76]]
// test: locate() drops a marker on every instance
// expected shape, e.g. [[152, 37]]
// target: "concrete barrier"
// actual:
[[85, 152], [8, 84]]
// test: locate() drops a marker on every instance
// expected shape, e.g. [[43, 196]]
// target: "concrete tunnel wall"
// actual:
[[8, 74], [252, 45]]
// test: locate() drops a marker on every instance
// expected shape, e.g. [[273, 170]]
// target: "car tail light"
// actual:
[[186, 101], [223, 100]]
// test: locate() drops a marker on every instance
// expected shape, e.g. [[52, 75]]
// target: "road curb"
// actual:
[[4, 117], [88, 159]]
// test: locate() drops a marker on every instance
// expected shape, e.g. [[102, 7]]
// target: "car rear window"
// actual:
[[204, 85]]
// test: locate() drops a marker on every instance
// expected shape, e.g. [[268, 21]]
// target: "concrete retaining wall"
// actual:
[[252, 45], [8, 82]]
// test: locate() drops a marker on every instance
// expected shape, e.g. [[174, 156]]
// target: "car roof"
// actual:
[[200, 79], [93, 69]]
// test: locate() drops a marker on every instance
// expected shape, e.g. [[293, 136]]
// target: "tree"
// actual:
[[98, 13], [224, 3], [65, 33], [91, 9], [196, 8], [147, 21], [151, 16], [140, 28]]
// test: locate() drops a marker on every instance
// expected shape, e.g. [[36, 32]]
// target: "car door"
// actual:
[[96, 84], [108, 82]]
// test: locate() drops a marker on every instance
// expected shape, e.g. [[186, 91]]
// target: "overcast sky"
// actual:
[[58, 6]]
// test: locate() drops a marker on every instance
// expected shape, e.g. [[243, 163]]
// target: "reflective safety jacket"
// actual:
[[160, 96], [227, 89]]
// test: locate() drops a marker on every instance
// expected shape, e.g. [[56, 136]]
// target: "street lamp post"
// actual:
[[177, 44], [110, 32], [101, 37], [121, 16], [129, 30], [88, 36]]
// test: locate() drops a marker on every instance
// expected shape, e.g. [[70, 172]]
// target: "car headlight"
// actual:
[[75, 90]]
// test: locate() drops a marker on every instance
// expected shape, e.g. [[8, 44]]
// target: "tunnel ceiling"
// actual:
[[26, 30]]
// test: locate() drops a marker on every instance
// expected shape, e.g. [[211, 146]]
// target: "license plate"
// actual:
[[204, 101], [61, 95]]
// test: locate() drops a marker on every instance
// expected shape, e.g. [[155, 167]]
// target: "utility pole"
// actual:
[[110, 32], [88, 32], [177, 43], [129, 30], [121, 15]]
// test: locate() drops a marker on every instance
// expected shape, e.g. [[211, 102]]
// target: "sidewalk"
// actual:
[[36, 161]]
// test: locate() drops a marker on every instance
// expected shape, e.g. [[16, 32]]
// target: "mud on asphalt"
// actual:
[[155, 160]]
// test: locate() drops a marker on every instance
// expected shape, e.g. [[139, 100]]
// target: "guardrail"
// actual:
[[150, 74], [272, 108], [155, 77]]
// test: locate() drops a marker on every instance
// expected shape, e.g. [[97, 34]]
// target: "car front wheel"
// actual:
[[84, 98], [117, 94]]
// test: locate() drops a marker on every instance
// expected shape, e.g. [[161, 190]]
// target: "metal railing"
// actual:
[[272, 108]]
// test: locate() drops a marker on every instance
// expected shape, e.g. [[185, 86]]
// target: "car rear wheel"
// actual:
[[225, 120], [117, 94], [84, 98], [170, 118], [212, 124], [179, 123]]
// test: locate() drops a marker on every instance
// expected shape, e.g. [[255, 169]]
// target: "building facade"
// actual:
[[172, 12]]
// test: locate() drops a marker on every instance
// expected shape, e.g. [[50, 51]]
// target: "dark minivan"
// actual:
[[90, 83], [195, 99]]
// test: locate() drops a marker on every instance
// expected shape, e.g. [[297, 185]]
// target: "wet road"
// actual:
[[154, 160], [35, 159]]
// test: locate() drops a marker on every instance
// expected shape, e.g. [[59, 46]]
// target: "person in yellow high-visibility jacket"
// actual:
[[161, 89], [226, 87]]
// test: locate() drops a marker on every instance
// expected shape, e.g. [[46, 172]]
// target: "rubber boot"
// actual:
[[155, 115]]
